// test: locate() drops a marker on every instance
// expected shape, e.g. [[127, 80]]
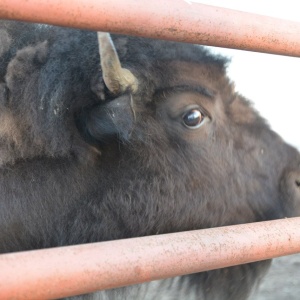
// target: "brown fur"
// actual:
[[77, 169]]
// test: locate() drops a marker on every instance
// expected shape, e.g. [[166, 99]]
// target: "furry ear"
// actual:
[[25, 62]]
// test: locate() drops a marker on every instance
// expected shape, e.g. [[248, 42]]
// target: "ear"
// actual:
[[290, 190], [26, 61]]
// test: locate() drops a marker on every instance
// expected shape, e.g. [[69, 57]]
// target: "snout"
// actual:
[[110, 121]]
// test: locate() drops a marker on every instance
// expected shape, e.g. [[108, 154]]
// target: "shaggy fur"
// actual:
[[75, 168]]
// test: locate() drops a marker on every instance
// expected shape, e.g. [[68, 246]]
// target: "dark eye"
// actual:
[[193, 118]]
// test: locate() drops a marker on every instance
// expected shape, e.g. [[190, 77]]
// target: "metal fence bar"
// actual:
[[180, 20], [66, 271]]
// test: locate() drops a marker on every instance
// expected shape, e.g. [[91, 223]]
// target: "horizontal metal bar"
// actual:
[[67, 271], [180, 20]]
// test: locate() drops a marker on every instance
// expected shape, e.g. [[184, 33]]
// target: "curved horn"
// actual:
[[116, 78]]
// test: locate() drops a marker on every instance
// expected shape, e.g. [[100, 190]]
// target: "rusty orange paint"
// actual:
[[67, 271], [180, 20]]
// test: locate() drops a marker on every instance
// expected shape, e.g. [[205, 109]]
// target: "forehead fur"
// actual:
[[64, 78], [137, 49]]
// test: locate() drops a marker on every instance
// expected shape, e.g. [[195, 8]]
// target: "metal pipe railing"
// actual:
[[67, 271], [164, 19]]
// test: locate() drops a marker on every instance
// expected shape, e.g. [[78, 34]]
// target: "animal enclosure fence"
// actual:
[[178, 20], [81, 269], [60, 272]]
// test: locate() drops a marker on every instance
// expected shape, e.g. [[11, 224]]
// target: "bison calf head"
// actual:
[[190, 140], [190, 153], [177, 148]]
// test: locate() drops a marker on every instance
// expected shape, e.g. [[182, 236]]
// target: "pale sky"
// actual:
[[271, 82]]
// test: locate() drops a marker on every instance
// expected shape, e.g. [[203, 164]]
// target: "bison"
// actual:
[[146, 137]]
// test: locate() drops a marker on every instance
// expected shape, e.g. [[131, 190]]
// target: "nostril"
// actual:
[[297, 183]]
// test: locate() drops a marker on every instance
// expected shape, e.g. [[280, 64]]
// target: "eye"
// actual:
[[193, 118]]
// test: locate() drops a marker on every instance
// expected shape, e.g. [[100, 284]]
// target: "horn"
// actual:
[[116, 78]]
